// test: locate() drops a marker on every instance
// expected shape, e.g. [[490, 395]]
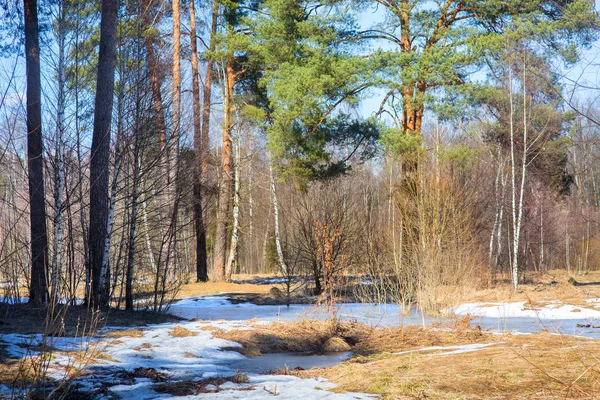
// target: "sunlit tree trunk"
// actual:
[[173, 148], [518, 187], [223, 207], [282, 264], [236, 216]]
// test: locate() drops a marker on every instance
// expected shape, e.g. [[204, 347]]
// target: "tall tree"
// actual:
[[173, 148], [226, 173], [201, 265], [38, 290], [224, 205], [310, 78], [100, 152], [424, 46]]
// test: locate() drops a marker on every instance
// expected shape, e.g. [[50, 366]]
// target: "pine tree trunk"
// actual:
[[226, 175], [173, 149], [201, 265], [38, 290], [99, 207], [207, 92]]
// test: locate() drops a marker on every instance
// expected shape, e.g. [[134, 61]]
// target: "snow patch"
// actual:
[[553, 310]]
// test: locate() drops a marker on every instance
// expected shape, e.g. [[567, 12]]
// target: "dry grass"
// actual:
[[542, 366], [302, 336], [553, 285], [205, 288], [134, 332], [180, 331], [310, 336]]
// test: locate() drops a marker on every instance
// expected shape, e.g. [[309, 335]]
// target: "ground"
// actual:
[[153, 355]]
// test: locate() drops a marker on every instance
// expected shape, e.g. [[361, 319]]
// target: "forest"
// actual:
[[392, 152]]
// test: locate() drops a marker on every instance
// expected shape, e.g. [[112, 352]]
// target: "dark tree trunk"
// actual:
[[38, 288], [132, 228], [100, 154], [201, 144]]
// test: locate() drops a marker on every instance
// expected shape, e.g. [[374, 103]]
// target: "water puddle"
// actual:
[[270, 362]]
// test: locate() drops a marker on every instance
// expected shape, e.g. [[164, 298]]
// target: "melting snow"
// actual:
[[194, 357]]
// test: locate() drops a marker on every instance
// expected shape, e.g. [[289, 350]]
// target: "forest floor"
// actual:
[[539, 343]]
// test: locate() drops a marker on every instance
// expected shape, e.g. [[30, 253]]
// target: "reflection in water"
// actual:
[[270, 362]]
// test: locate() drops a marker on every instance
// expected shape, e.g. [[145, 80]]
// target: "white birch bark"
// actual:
[[236, 215], [517, 208], [59, 172], [282, 264]]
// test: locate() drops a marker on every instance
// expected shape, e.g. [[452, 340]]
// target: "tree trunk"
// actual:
[[201, 265], [100, 151], [207, 92], [282, 264], [226, 175], [173, 149], [159, 117], [236, 215], [517, 208], [59, 172], [132, 229], [38, 290]]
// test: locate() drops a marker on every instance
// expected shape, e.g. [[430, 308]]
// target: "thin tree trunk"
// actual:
[[500, 222], [132, 229], [201, 262], [59, 172], [250, 258], [38, 290], [567, 252], [99, 207], [236, 215], [517, 211], [282, 264]]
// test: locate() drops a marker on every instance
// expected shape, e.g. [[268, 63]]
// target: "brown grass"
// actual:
[[135, 332], [180, 331], [204, 288], [542, 366], [539, 288], [302, 336], [310, 336]]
